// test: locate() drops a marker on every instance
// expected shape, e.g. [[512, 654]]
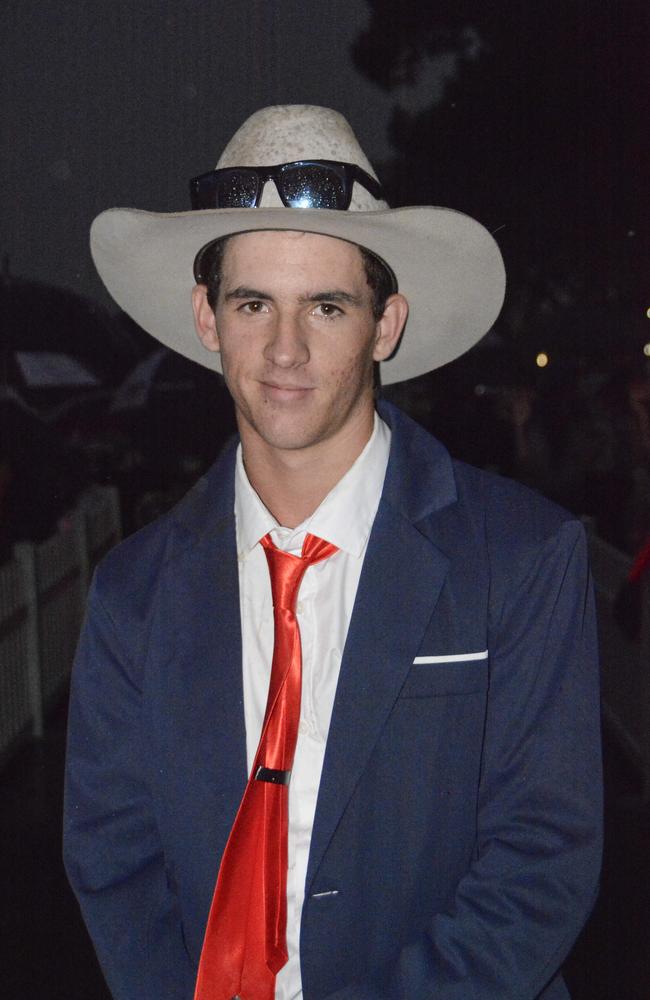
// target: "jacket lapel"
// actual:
[[204, 583], [402, 576]]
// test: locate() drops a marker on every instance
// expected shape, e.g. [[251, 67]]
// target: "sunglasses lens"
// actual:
[[313, 186], [236, 189], [224, 189]]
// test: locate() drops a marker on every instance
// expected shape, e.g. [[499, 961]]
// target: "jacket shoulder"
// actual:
[[130, 570], [516, 534], [508, 508]]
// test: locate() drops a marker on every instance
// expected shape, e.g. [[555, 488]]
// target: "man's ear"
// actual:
[[390, 326], [204, 318]]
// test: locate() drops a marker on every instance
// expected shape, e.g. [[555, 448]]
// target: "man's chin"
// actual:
[[290, 442], [287, 435]]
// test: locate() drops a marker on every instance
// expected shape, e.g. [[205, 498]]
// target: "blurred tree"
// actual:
[[535, 129]]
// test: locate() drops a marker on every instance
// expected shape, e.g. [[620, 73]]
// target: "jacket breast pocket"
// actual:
[[451, 677]]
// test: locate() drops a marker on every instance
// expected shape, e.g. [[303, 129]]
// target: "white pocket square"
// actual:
[[452, 658]]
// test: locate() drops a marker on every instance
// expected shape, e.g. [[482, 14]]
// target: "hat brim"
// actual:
[[447, 266]]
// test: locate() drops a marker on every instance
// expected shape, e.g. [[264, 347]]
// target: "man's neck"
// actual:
[[292, 484]]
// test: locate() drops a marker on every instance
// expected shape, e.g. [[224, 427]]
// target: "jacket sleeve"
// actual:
[[112, 852], [523, 901]]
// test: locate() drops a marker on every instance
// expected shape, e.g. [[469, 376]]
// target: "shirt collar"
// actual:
[[344, 517]]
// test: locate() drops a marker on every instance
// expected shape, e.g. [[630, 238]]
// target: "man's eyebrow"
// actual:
[[334, 295], [242, 292], [329, 295]]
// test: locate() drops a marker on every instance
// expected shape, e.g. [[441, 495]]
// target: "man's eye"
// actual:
[[327, 309], [253, 307]]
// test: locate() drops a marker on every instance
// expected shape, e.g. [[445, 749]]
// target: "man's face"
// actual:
[[297, 338]]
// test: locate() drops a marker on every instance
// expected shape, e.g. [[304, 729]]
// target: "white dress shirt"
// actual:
[[324, 608]]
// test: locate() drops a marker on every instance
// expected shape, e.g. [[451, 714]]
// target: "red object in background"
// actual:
[[641, 564]]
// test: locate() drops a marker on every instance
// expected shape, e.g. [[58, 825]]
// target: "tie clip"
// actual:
[[274, 777]]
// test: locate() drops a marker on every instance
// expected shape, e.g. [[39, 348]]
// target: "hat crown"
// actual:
[[284, 133], [446, 264]]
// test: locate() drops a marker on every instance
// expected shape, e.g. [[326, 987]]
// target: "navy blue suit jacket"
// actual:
[[456, 844]]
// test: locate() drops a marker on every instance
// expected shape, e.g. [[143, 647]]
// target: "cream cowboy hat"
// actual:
[[445, 263]]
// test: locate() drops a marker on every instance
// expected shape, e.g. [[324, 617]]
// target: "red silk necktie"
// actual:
[[245, 940]]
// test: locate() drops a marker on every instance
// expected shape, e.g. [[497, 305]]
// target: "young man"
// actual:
[[397, 649]]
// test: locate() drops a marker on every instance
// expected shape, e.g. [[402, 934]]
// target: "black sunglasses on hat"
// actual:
[[301, 184]]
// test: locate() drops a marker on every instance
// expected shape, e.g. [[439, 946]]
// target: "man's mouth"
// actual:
[[288, 391]]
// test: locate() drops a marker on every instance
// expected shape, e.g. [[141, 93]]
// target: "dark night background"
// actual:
[[531, 117]]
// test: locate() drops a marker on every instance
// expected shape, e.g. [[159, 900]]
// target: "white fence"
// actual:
[[42, 599]]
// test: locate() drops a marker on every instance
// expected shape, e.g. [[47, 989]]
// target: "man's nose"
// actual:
[[287, 346]]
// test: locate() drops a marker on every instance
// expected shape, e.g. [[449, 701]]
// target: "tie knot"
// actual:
[[287, 570]]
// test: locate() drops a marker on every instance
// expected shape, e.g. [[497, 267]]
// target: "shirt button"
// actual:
[[300, 607], [303, 728]]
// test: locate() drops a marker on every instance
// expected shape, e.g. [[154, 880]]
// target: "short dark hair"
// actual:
[[212, 267], [379, 276], [381, 279]]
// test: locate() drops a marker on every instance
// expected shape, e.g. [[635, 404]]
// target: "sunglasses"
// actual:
[[301, 184]]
